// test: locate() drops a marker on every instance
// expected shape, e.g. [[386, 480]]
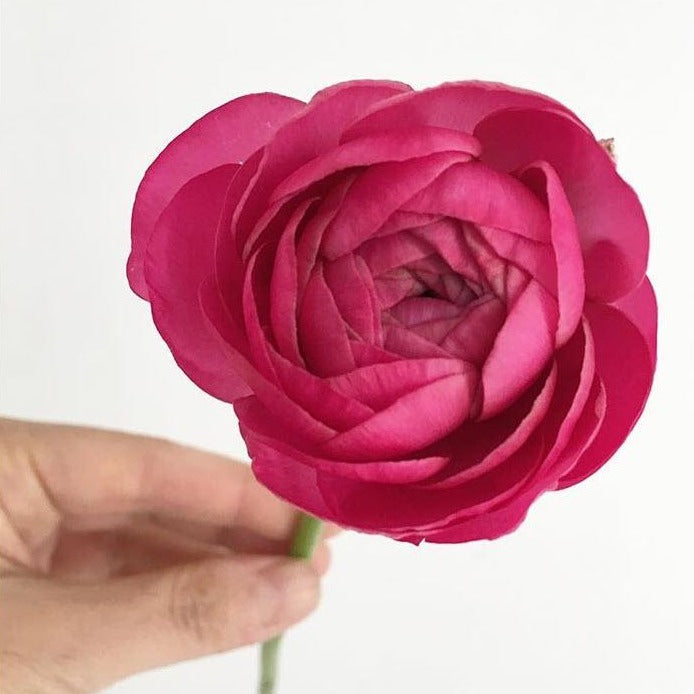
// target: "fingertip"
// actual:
[[296, 587]]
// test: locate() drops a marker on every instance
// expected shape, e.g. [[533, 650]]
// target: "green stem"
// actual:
[[304, 542]]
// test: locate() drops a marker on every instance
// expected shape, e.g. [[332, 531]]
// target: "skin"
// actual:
[[121, 553]]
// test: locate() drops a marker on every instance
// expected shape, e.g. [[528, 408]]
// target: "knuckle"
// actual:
[[197, 608], [33, 526]]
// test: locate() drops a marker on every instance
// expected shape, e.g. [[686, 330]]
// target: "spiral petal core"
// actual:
[[428, 307]]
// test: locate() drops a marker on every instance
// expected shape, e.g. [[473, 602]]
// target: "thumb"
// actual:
[[122, 626]]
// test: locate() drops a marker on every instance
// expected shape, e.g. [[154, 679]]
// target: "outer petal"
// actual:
[[179, 257], [612, 227], [293, 482], [402, 511], [226, 135], [640, 308], [624, 363], [456, 105]]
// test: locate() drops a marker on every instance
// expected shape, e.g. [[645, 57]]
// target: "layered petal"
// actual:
[[308, 245], [507, 517], [319, 397], [284, 290], [612, 227], [386, 253], [478, 447], [322, 330], [414, 420], [447, 237], [568, 264], [640, 308], [532, 257], [266, 441], [369, 355], [379, 385], [376, 194], [494, 503], [180, 256], [577, 364], [455, 105], [295, 483], [427, 308], [313, 131], [226, 135], [415, 310], [404, 342], [476, 193], [415, 511], [352, 288], [521, 350], [303, 429], [229, 268], [399, 144], [573, 417], [625, 366], [475, 332]]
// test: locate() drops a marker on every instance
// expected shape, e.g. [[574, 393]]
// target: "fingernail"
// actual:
[[296, 589]]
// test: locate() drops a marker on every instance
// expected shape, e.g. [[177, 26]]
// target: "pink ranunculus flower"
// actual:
[[428, 307]]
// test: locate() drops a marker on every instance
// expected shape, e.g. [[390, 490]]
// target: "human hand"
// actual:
[[121, 553]]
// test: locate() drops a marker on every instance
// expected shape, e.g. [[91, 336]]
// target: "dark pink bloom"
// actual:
[[428, 307]]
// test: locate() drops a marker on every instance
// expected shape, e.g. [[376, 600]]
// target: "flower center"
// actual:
[[439, 290]]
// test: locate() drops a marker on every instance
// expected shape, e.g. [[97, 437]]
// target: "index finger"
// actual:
[[93, 472]]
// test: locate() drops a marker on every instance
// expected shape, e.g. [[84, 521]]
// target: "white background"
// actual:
[[594, 593]]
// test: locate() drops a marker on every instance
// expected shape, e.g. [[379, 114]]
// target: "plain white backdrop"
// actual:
[[594, 592]]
